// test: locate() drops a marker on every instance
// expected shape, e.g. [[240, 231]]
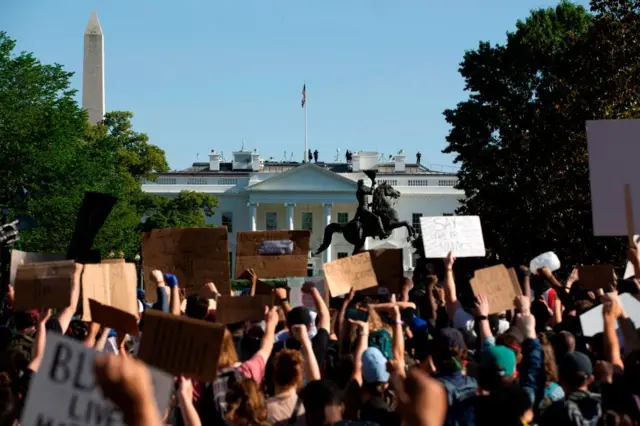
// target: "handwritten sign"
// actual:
[[355, 271], [65, 392], [111, 284], [233, 309], [499, 285], [272, 254], [44, 285], [460, 234], [181, 345], [195, 255]]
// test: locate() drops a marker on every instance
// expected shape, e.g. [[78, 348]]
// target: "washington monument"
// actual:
[[93, 71]]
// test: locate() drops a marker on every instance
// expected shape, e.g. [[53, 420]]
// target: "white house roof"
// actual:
[[307, 177]]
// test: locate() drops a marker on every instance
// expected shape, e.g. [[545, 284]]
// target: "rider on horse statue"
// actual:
[[363, 213]]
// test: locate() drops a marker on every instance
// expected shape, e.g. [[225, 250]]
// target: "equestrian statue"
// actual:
[[377, 219]]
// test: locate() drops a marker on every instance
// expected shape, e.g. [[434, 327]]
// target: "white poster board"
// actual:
[[64, 391], [460, 234], [628, 270], [614, 147], [298, 298], [592, 323]]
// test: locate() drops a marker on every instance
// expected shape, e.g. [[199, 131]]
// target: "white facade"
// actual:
[[253, 195]]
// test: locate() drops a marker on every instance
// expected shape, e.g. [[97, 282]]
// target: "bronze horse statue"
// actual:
[[359, 228]]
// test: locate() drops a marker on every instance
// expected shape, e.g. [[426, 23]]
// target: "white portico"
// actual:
[[266, 195]]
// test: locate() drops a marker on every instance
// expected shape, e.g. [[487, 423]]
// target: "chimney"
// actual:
[[400, 162], [214, 161], [255, 160]]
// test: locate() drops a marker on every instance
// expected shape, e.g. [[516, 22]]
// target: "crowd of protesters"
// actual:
[[429, 355]]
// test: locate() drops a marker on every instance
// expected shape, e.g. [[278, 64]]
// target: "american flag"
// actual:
[[304, 94]]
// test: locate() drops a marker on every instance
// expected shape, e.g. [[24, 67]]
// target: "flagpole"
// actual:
[[306, 148]]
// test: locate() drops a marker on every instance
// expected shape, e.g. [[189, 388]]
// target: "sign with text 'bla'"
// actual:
[[64, 392], [460, 234]]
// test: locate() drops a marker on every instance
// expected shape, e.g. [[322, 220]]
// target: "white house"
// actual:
[[254, 194]]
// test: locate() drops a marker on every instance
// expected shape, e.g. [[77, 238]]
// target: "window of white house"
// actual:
[[307, 221], [271, 221], [343, 218], [227, 220], [415, 221], [342, 254]]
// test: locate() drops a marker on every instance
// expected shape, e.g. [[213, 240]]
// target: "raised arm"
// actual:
[[268, 340], [324, 317], [37, 350], [451, 298], [362, 345], [611, 311], [66, 315], [311, 368]]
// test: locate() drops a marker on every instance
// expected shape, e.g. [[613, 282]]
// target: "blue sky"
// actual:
[[203, 74]]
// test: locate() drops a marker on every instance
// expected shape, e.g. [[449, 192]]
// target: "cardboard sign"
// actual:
[[389, 268], [499, 285], [250, 245], [460, 234], [44, 285], [114, 318], [354, 271], [112, 284], [613, 149], [19, 257], [112, 261], [195, 255], [181, 345], [233, 309], [65, 392], [592, 322], [92, 215], [262, 288], [594, 277]]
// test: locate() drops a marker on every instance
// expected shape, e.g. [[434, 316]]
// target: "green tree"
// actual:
[[49, 148], [188, 209], [520, 136]]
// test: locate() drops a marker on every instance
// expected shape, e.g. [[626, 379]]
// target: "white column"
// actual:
[[290, 207], [326, 255], [252, 215]]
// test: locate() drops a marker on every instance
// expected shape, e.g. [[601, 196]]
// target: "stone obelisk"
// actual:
[[93, 71]]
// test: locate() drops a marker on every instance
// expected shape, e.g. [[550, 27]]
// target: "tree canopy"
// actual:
[[520, 136], [50, 150]]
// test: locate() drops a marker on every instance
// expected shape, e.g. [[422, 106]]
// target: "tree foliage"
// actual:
[[49, 149], [520, 136]]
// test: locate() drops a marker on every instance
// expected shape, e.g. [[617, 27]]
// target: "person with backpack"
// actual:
[[450, 357], [579, 407]]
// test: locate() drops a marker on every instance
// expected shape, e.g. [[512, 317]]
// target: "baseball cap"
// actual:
[[575, 364], [449, 337], [498, 359], [374, 366]]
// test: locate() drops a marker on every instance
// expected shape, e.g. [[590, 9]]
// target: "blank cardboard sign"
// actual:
[[594, 277], [44, 285], [19, 257], [354, 271], [111, 284], [250, 244], [614, 147], [499, 285], [195, 255], [114, 318], [389, 268], [181, 345], [232, 309]]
